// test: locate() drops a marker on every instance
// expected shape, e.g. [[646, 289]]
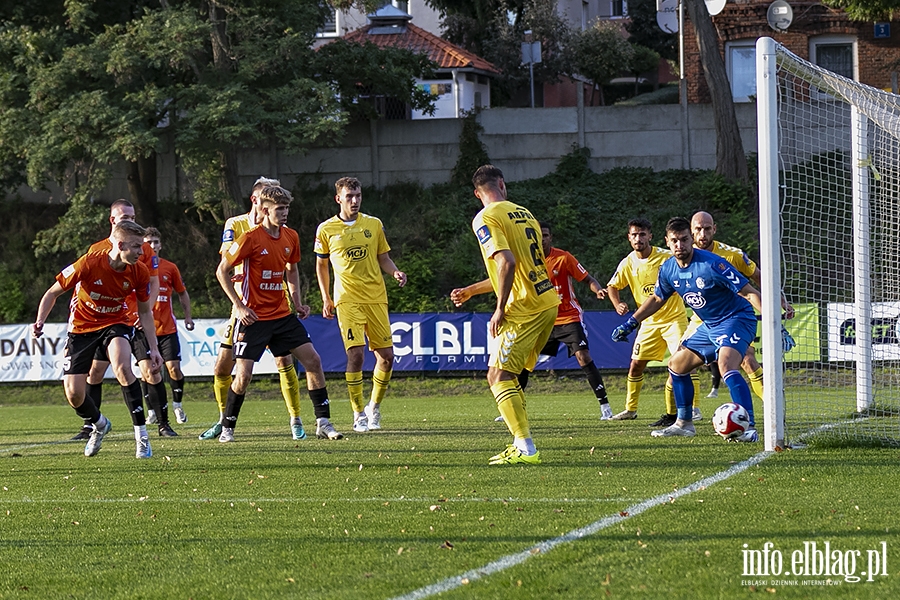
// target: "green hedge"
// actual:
[[429, 230]]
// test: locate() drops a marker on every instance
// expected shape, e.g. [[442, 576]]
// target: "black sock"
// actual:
[[321, 407], [88, 411], [596, 381], [177, 389], [134, 400], [232, 408], [523, 378], [162, 402], [95, 391]]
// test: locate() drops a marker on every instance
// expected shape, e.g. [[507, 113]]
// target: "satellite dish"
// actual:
[[667, 15], [780, 15], [715, 6]]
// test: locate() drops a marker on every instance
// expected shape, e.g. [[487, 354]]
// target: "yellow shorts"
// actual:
[[653, 340], [227, 339], [520, 340], [360, 321]]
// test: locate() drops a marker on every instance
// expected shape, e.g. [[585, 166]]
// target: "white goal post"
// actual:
[[829, 202]]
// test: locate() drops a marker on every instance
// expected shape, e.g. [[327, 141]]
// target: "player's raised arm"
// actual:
[[460, 296], [48, 301]]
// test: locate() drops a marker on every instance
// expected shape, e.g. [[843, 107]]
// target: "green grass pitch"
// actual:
[[383, 514]]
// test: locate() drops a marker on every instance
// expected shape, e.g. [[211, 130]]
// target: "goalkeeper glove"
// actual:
[[621, 333], [787, 340]]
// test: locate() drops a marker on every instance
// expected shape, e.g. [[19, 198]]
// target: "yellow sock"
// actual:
[[220, 390], [633, 387], [671, 409], [355, 389], [756, 382], [380, 380], [511, 404], [695, 379], [290, 389]]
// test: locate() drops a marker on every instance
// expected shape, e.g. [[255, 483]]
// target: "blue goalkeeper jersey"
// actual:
[[709, 285]]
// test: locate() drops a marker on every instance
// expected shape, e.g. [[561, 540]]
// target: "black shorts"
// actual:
[[139, 346], [281, 336], [228, 336], [169, 347], [572, 335], [81, 348]]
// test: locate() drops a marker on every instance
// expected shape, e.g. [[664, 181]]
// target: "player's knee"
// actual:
[[241, 382], [583, 357]]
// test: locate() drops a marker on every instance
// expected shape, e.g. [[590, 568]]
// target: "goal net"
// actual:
[[829, 160]]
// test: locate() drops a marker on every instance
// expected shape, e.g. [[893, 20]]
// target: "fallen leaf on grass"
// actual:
[[605, 581], [446, 545], [434, 507], [623, 513]]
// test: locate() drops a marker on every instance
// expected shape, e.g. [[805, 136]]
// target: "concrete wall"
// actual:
[[524, 142]]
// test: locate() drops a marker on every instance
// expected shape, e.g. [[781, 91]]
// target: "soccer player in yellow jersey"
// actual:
[[663, 330], [355, 245], [703, 230], [510, 241], [235, 228]]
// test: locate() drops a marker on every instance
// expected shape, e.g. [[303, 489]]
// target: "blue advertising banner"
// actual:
[[459, 342]]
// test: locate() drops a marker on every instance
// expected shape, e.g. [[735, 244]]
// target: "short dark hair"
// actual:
[[547, 225], [486, 176], [260, 183], [640, 224], [677, 224], [348, 183], [120, 202], [152, 232]]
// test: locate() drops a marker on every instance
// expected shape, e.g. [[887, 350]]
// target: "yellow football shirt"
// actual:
[[507, 226], [640, 275], [737, 257], [235, 228], [353, 250]]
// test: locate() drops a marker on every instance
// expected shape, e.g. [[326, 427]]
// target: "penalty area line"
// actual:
[[511, 560]]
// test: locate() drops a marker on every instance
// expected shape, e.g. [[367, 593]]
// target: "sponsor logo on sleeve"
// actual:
[[483, 234]]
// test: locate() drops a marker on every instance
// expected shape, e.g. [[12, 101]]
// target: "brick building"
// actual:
[[822, 35]]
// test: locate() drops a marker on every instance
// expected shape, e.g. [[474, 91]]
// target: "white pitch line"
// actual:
[[27, 500], [511, 560]]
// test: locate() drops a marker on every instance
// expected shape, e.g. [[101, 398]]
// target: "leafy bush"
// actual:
[[429, 230]]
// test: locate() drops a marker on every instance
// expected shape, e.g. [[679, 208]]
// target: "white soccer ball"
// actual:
[[731, 420]]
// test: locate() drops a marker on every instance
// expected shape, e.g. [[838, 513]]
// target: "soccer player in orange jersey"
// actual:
[[99, 318], [119, 211], [164, 318], [269, 254]]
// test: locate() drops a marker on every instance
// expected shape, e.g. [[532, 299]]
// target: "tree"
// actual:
[[600, 53], [642, 61], [87, 83], [495, 30], [730, 159], [867, 10], [644, 30]]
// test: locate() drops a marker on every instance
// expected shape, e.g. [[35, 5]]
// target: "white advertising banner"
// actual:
[[842, 331], [23, 358]]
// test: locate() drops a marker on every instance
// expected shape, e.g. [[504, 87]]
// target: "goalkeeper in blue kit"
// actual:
[[724, 299]]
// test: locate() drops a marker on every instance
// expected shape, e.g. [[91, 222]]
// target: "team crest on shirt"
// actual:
[[367, 233], [126, 286], [483, 234], [287, 251], [695, 300], [721, 266], [700, 283]]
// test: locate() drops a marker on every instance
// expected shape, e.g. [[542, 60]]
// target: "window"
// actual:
[[331, 27], [585, 14], [740, 63], [835, 53], [618, 8]]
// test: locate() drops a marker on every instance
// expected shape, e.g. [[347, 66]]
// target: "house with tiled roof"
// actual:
[[462, 81]]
